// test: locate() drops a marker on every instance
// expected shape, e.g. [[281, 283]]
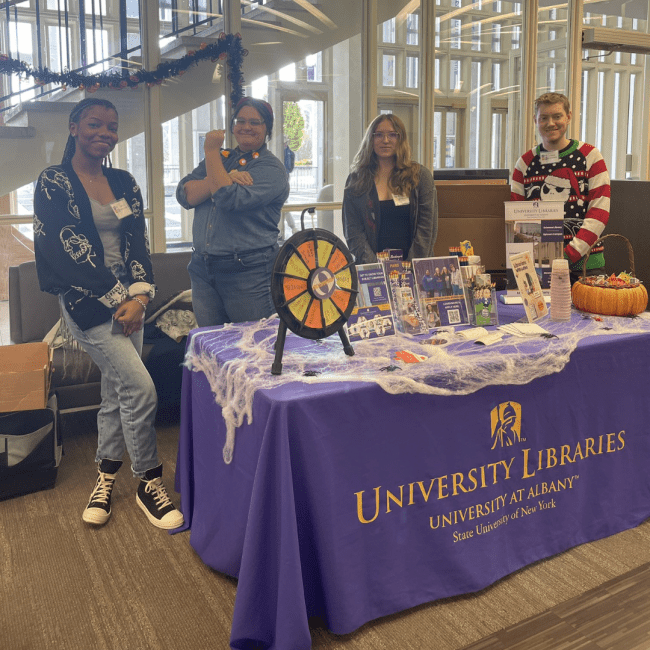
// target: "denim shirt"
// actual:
[[239, 218]]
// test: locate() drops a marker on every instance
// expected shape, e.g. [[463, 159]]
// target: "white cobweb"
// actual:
[[237, 362]]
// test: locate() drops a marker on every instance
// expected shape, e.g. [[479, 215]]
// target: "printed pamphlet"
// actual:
[[536, 227], [527, 278], [404, 298], [371, 317], [440, 285]]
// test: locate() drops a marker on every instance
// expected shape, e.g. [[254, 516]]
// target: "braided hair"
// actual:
[[75, 116]]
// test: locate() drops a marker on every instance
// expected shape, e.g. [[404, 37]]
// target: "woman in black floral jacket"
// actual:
[[91, 250]]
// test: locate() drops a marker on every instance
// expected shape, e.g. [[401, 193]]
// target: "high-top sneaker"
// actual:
[[98, 509], [153, 499]]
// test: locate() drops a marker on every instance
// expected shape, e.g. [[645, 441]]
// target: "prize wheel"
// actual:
[[314, 288]]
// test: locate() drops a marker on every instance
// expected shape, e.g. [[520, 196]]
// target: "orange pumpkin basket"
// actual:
[[614, 297]]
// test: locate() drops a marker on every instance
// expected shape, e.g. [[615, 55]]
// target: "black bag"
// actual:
[[30, 450]]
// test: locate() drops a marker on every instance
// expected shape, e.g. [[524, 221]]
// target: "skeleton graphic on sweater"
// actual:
[[576, 175]]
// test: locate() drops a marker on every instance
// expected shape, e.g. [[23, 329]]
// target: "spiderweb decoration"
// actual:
[[237, 362]]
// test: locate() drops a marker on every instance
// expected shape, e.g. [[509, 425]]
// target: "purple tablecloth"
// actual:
[[347, 503]]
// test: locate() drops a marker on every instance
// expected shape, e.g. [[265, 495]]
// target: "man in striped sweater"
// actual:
[[560, 169]]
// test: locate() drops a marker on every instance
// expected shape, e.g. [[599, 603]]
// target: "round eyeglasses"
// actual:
[[382, 135], [241, 122]]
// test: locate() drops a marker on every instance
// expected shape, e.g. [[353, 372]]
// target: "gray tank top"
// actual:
[[108, 226]]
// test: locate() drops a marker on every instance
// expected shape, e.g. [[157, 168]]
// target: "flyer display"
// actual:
[[404, 298], [536, 227], [440, 285], [526, 276], [371, 317]]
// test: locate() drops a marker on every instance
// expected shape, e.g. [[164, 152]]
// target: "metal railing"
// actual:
[[303, 177], [80, 35]]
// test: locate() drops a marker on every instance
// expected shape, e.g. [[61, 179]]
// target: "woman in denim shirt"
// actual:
[[237, 196]]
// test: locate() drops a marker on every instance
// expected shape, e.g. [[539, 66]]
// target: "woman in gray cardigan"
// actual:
[[389, 200]]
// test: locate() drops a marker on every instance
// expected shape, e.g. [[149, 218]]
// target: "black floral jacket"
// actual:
[[69, 252]]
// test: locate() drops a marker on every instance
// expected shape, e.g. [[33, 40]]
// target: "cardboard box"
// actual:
[[474, 212], [25, 372]]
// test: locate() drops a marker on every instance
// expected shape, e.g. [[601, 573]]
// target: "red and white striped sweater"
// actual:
[[578, 177]]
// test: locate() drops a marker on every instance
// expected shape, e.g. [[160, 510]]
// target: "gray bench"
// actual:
[[32, 314]]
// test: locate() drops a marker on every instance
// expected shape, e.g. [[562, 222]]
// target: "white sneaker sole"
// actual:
[[176, 522], [96, 516]]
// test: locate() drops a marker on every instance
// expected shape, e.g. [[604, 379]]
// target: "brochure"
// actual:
[[404, 298], [524, 329], [482, 301], [536, 227], [371, 317], [480, 335], [527, 278], [440, 285]]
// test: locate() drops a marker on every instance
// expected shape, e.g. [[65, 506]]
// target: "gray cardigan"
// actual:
[[362, 217]]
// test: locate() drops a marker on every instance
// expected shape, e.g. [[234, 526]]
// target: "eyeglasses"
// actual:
[[241, 122], [381, 135]]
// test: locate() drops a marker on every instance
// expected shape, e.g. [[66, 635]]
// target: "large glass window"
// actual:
[[478, 81], [477, 75], [20, 47], [612, 83]]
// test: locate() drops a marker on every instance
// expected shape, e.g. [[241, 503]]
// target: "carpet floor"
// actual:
[[65, 585]]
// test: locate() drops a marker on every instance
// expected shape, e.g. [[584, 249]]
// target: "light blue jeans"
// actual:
[[232, 289], [125, 420]]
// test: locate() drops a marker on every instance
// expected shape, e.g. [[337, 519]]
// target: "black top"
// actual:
[[394, 227]]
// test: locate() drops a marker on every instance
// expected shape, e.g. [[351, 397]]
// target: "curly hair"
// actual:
[[75, 116], [406, 172]]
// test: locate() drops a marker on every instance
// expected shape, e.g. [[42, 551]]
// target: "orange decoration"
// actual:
[[614, 296], [611, 301]]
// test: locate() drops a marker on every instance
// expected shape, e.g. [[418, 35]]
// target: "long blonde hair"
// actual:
[[406, 172]]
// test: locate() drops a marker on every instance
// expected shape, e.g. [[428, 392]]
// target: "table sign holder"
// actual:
[[314, 286], [536, 226]]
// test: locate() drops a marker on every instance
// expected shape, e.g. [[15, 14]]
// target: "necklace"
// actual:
[[90, 179]]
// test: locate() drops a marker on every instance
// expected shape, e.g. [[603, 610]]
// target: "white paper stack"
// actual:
[[523, 329]]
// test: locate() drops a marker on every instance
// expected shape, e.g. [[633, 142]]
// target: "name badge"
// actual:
[[400, 200], [549, 157], [121, 208]]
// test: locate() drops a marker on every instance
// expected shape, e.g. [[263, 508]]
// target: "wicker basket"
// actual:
[[609, 299]]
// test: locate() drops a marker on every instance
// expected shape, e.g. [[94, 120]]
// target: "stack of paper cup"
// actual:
[[560, 291]]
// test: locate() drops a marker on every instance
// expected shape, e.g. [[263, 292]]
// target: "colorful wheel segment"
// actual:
[[314, 283]]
